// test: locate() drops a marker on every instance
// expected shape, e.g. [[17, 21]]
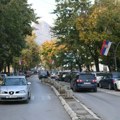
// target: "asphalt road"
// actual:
[[44, 105], [105, 105]]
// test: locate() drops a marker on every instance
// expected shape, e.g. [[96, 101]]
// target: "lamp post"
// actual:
[[115, 57]]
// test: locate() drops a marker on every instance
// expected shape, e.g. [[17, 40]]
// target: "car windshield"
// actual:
[[14, 81]]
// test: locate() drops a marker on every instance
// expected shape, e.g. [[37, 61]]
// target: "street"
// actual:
[[44, 105], [104, 104]]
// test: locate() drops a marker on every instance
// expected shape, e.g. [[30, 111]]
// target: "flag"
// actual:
[[105, 47]]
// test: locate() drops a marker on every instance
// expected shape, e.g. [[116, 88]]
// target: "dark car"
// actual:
[[43, 74], [110, 81], [84, 81], [64, 76], [99, 76]]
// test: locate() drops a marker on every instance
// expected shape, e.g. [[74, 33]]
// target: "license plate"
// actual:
[[87, 83], [10, 97]]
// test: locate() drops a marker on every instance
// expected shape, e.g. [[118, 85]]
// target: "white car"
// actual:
[[99, 76], [117, 83], [15, 88]]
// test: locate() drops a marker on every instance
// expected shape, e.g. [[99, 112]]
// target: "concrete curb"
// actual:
[[72, 114]]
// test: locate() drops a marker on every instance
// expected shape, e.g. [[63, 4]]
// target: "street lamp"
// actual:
[[116, 56]]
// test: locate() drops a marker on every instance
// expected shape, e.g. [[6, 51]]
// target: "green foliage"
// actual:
[[82, 27], [31, 54], [65, 28], [15, 23]]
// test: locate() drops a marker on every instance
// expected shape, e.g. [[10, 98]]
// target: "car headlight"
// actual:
[[22, 91], [1, 92]]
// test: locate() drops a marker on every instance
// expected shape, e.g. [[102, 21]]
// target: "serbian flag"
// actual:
[[105, 47]]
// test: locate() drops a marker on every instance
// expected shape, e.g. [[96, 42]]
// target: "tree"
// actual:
[[99, 24], [109, 23], [30, 56], [51, 54], [15, 23], [65, 28], [82, 27]]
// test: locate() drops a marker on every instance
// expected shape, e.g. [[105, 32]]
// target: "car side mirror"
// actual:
[[28, 83]]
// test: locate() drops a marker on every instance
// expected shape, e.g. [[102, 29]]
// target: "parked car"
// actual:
[[54, 76], [110, 81], [99, 76], [3, 75], [83, 81], [64, 76], [116, 77], [15, 88], [28, 73]]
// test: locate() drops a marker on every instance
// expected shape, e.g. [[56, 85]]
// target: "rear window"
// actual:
[[87, 76], [116, 75]]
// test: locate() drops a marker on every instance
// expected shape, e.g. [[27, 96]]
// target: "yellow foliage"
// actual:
[[49, 50], [87, 25]]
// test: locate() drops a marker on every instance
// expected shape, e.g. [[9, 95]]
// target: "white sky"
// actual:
[[43, 8]]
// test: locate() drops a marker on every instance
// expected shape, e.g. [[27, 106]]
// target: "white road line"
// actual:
[[32, 97], [93, 114], [47, 97]]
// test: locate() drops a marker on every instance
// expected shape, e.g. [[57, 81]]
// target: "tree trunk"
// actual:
[[95, 56], [4, 69], [1, 66], [97, 64], [8, 69], [79, 65]]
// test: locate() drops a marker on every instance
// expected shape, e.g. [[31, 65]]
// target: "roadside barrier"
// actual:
[[63, 89], [74, 108]]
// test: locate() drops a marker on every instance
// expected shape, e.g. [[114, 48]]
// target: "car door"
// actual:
[[107, 82], [102, 82]]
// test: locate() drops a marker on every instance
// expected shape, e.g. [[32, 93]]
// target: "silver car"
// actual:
[[15, 88]]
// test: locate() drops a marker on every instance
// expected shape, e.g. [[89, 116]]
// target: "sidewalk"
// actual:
[[74, 108]]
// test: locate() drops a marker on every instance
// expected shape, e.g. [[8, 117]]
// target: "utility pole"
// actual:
[[115, 57]]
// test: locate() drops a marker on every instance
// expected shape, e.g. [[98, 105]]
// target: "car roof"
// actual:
[[15, 76], [3, 74], [85, 73]]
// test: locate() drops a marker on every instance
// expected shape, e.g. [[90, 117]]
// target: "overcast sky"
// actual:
[[43, 8]]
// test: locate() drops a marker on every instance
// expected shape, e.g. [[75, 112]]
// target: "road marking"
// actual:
[[93, 114], [48, 97], [32, 97], [112, 92]]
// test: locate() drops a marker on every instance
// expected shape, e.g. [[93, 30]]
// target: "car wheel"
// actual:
[[95, 90], [100, 85], [74, 89], [115, 87], [109, 87], [28, 99], [1, 102], [71, 87]]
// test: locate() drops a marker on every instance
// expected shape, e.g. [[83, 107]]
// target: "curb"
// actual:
[[72, 114]]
